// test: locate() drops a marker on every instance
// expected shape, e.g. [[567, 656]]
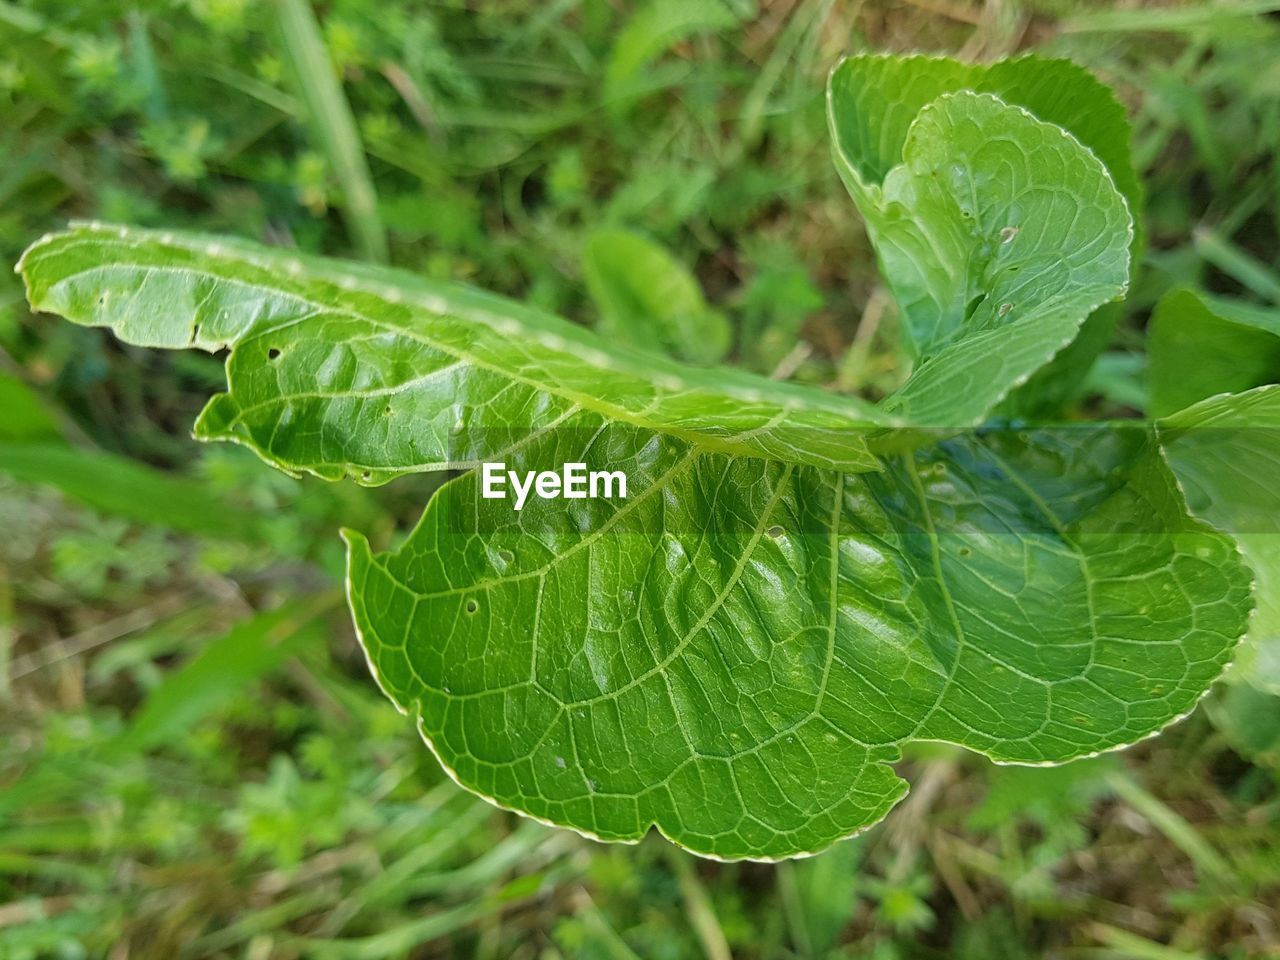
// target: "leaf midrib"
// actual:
[[849, 408], [723, 442]]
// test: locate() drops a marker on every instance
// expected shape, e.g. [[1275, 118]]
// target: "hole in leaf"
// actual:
[[472, 606], [506, 555], [273, 353], [776, 532]]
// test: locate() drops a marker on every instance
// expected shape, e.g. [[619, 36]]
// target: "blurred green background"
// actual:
[[194, 761]]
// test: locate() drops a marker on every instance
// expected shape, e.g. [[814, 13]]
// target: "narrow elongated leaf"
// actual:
[[343, 370], [26, 418], [224, 668], [332, 123], [648, 299], [125, 488], [736, 652], [997, 229]]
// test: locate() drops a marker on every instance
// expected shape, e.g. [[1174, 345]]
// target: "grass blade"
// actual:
[[222, 670], [1237, 264], [333, 125], [124, 488], [1209, 862]]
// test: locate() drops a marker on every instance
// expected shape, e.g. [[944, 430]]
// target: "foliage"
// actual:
[[1222, 447], [494, 159], [647, 298], [662, 661]]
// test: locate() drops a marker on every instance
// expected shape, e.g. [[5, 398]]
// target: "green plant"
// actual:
[[798, 583], [1223, 446]]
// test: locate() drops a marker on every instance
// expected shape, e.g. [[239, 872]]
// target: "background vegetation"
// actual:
[[193, 759]]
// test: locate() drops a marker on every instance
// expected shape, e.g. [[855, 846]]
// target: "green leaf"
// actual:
[[1257, 662], [999, 230], [1226, 453], [647, 299], [332, 123], [125, 488], [26, 417], [353, 370], [876, 97], [736, 652], [1225, 449], [1053, 387], [249, 650], [658, 26], [1199, 346], [1250, 720]]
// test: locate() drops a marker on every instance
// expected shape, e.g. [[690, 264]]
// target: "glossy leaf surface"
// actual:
[[736, 652]]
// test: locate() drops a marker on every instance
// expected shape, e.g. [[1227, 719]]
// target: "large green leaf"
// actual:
[[876, 98], [347, 370], [998, 200], [737, 651]]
